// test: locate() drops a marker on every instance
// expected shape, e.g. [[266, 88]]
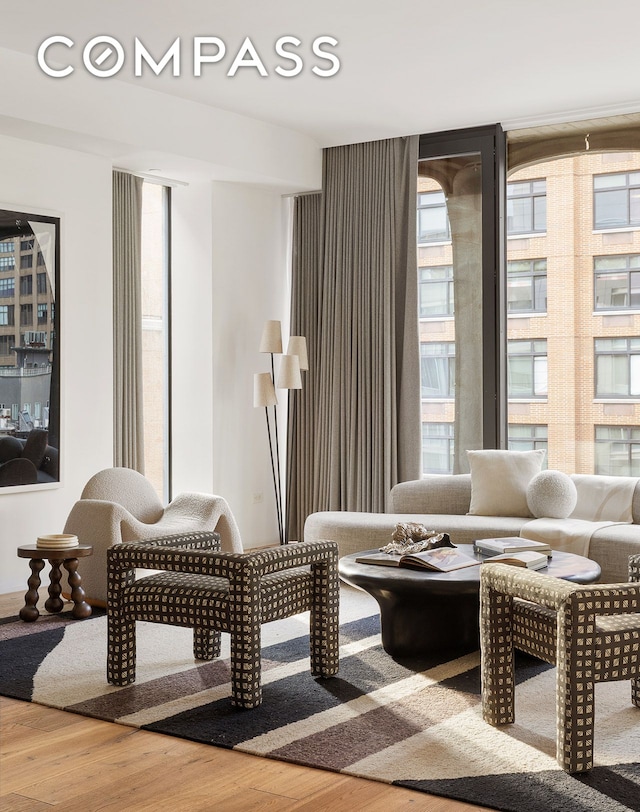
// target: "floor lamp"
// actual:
[[264, 395]]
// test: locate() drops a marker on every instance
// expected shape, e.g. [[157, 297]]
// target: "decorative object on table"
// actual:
[[264, 395], [410, 537], [57, 541], [551, 495]]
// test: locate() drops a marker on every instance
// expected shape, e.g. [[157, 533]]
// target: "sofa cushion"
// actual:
[[499, 481], [551, 495]]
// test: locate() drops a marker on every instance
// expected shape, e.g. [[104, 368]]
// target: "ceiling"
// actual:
[[406, 66]]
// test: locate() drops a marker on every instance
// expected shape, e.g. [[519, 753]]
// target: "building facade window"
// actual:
[[617, 367], [6, 342], [26, 285], [7, 263], [616, 200], [527, 207], [437, 448], [528, 437], [7, 247], [26, 261], [8, 286], [527, 286], [26, 315], [43, 313], [6, 315], [433, 219], [527, 368], [42, 282], [436, 291], [617, 450], [617, 282], [437, 369], [26, 245]]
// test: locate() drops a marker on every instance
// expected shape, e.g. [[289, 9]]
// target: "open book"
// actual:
[[441, 559]]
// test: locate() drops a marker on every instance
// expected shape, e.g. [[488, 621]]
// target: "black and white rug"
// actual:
[[416, 725]]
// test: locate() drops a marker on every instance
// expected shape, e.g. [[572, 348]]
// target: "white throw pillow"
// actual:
[[499, 481], [552, 495]]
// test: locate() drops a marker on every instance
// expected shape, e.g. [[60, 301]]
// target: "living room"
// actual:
[[234, 149]]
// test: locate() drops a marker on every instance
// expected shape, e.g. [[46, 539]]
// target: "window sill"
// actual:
[[437, 400], [631, 399], [448, 317], [528, 400], [528, 314], [621, 230], [527, 235], [616, 312], [434, 243]]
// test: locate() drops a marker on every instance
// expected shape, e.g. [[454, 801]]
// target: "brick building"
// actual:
[[573, 307]]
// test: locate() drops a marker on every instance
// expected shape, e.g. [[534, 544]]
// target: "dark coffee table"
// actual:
[[424, 612]]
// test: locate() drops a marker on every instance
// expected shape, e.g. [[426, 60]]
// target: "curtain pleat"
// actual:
[[127, 322], [354, 429]]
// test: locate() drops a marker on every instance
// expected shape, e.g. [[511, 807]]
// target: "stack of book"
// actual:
[[514, 550]]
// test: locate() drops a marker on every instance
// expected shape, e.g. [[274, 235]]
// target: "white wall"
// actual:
[[249, 286], [76, 187]]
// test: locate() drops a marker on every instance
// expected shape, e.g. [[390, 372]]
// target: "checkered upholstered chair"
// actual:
[[591, 633], [214, 592]]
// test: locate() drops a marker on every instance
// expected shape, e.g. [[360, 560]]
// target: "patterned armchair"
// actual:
[[214, 592], [591, 633]]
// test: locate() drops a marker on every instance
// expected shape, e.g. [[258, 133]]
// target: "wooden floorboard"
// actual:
[[52, 758]]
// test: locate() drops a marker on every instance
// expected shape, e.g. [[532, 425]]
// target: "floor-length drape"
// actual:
[[355, 426], [127, 322]]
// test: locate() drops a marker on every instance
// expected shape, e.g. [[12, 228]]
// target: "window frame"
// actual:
[[532, 354], [629, 352], [626, 270], [530, 195], [532, 274], [627, 187]]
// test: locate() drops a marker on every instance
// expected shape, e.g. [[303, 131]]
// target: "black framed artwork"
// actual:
[[29, 349]]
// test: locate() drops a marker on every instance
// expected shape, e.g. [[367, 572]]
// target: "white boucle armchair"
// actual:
[[120, 505]]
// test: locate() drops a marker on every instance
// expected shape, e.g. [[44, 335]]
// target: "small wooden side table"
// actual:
[[54, 603]]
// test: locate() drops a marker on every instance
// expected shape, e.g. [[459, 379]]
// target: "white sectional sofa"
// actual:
[[441, 502]]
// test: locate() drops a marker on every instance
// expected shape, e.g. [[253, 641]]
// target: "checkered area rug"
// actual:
[[417, 725]]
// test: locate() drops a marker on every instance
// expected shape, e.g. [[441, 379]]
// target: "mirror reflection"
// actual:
[[29, 363]]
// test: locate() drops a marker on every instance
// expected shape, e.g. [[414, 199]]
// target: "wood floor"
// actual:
[[52, 758]]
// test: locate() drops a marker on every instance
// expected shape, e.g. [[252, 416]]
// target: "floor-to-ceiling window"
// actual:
[[570, 300], [156, 335]]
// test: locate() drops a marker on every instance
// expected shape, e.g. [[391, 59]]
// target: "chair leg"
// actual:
[[324, 634], [246, 687], [497, 664], [206, 643], [121, 650], [635, 691], [575, 704]]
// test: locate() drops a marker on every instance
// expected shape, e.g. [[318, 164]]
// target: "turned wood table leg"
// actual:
[[29, 611], [80, 607], [54, 602]]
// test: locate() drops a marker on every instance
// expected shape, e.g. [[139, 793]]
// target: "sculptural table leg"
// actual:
[[54, 602], [80, 607], [29, 611]]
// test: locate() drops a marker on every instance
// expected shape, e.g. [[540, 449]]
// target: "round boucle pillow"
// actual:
[[551, 494]]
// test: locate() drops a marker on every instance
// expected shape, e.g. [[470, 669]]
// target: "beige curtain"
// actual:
[[355, 426], [127, 322]]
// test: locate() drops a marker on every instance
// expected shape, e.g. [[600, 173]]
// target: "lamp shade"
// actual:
[[271, 337], [289, 377], [298, 346], [264, 393]]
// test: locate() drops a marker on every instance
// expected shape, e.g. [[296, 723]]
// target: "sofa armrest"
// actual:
[[433, 494]]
